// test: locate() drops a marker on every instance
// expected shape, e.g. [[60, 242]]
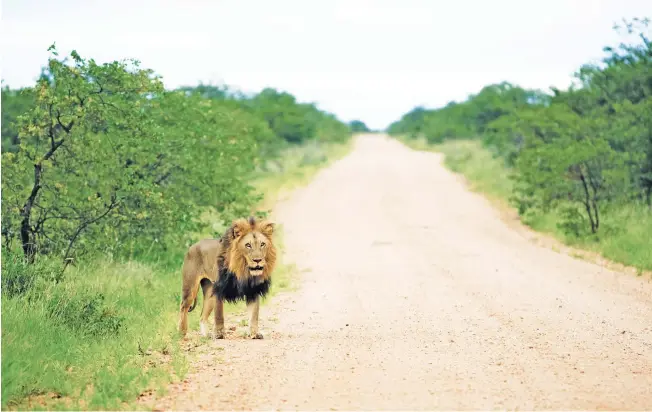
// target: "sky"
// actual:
[[359, 59]]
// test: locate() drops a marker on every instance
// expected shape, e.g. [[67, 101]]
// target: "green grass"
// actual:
[[485, 173], [624, 236], [295, 168], [107, 330], [50, 347], [625, 233]]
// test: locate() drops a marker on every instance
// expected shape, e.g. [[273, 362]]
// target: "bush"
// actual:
[[19, 277], [86, 314]]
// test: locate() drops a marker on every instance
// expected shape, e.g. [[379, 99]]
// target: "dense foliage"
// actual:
[[581, 152], [14, 103], [100, 158], [358, 126]]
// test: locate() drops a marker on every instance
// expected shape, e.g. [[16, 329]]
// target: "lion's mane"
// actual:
[[234, 282]]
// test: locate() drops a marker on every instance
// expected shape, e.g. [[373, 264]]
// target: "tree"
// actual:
[[357, 126], [410, 123], [468, 119], [14, 103], [567, 158], [83, 113], [286, 118], [207, 91], [109, 161], [622, 86]]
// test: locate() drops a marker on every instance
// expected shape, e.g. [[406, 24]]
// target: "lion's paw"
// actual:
[[256, 335], [218, 334]]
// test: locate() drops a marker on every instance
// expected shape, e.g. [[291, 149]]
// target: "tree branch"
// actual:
[[66, 258]]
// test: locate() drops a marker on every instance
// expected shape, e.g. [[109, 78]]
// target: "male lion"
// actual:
[[238, 266]]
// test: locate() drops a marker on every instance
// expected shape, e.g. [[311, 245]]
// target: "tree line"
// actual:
[[101, 158], [582, 151]]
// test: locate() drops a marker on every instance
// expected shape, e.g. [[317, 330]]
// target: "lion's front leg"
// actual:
[[254, 307], [219, 318]]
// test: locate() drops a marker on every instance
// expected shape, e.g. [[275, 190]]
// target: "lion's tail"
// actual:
[[194, 303]]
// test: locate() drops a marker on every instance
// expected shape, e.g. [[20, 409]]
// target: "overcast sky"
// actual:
[[372, 60]]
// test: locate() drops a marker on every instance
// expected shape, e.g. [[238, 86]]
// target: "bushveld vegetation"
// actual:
[[107, 177], [358, 126], [574, 162]]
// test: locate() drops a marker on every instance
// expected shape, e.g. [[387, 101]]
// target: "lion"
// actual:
[[237, 266]]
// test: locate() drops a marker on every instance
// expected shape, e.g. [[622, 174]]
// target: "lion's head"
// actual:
[[249, 249]]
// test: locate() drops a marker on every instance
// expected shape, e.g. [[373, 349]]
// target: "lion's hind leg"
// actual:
[[188, 299]]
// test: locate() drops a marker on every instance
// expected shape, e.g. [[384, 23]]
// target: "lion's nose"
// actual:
[[257, 260]]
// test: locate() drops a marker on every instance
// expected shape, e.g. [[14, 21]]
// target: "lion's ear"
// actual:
[[238, 228], [267, 228]]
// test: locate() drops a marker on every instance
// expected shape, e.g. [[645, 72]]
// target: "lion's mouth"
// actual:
[[256, 270]]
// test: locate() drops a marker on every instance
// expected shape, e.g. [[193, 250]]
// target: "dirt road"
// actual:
[[416, 295]]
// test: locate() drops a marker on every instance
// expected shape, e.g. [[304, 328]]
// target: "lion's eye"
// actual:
[[248, 245], [262, 244]]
